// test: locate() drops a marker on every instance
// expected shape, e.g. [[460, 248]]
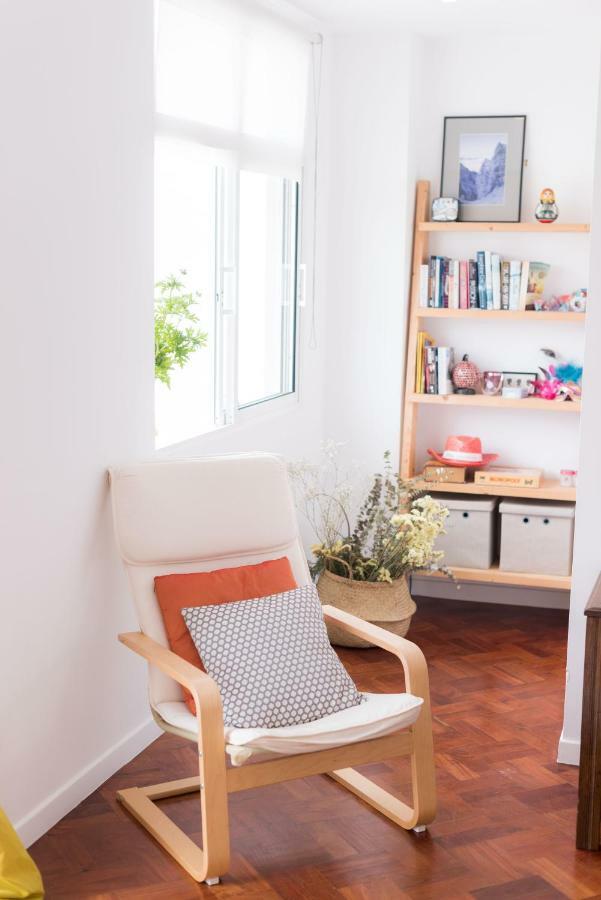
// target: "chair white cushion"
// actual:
[[379, 715]]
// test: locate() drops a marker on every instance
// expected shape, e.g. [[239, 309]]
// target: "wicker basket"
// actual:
[[387, 605]]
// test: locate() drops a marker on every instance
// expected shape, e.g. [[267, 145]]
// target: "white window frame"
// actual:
[[227, 410], [290, 303]]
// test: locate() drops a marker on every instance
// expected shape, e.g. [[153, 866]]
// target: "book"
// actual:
[[515, 274], [509, 476], [524, 284], [454, 294], [422, 337], [437, 472], [436, 295], [464, 300], [505, 284], [445, 361], [488, 279], [473, 284], [444, 279], [537, 272], [481, 279], [431, 370], [495, 268], [423, 340], [424, 284], [432, 277]]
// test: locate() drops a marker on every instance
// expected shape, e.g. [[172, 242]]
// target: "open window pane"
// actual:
[[185, 257], [266, 287]]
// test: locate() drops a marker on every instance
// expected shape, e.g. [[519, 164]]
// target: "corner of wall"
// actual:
[[47, 813]]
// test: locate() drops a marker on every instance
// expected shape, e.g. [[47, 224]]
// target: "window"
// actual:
[[185, 183], [266, 287], [231, 92]]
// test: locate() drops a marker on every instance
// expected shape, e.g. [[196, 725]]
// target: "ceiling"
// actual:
[[438, 18]]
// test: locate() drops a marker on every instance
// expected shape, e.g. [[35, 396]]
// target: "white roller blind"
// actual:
[[237, 76]]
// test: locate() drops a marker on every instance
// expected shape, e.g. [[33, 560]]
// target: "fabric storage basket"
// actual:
[[470, 531], [536, 537]]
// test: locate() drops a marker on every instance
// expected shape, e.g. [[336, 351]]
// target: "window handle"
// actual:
[[224, 310]]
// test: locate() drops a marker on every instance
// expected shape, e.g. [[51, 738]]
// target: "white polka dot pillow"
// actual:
[[271, 659]]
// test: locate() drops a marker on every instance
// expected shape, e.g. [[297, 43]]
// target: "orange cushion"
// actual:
[[174, 592]]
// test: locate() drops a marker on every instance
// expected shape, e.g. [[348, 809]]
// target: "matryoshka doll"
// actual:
[[546, 210]]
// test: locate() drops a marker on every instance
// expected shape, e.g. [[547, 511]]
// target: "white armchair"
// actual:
[[202, 514]]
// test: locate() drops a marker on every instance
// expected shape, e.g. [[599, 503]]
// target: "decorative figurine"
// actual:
[[445, 209], [561, 380], [546, 210], [466, 377], [574, 302], [578, 300]]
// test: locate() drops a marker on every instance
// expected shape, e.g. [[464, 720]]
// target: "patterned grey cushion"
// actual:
[[271, 659]]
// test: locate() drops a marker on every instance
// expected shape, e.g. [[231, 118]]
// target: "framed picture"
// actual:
[[523, 380], [482, 165]]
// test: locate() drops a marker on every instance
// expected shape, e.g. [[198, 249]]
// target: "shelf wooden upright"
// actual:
[[550, 488]]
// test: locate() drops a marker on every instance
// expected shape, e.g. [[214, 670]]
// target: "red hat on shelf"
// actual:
[[463, 450]]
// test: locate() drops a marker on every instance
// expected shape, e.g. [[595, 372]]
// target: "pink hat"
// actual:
[[463, 450]]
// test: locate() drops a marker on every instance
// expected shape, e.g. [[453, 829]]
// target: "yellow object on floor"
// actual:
[[19, 876]]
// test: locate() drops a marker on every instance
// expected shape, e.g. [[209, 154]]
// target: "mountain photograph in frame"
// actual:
[[482, 164]]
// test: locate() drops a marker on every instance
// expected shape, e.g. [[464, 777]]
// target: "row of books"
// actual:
[[433, 366], [487, 282]]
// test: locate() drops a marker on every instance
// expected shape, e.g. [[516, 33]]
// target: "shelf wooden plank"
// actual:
[[495, 575], [497, 402], [551, 228], [510, 315], [550, 489]]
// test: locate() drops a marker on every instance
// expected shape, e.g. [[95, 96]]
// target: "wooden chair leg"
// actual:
[[206, 863], [423, 811]]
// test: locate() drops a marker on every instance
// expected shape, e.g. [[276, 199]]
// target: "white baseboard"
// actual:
[[489, 593], [568, 751], [53, 808]]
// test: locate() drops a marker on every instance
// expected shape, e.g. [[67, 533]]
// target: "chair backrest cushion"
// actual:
[[174, 592], [197, 515]]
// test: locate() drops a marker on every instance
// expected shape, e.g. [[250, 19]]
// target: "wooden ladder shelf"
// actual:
[[550, 488]]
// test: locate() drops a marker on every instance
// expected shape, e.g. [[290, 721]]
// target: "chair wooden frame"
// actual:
[[215, 780]]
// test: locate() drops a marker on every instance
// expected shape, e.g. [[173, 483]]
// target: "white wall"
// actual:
[[587, 554], [370, 199], [76, 245], [560, 103], [76, 241], [389, 96]]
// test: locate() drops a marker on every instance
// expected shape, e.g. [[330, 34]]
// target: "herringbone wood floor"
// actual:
[[506, 821]]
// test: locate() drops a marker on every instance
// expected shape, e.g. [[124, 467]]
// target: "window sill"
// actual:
[[246, 418]]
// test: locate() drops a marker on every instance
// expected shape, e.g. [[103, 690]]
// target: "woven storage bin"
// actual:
[[387, 605]]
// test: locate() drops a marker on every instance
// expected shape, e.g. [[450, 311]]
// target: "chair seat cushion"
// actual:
[[378, 715], [174, 592]]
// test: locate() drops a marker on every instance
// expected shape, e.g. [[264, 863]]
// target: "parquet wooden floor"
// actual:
[[506, 821]]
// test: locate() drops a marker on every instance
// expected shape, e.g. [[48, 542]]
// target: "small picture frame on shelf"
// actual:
[[482, 165], [519, 381]]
